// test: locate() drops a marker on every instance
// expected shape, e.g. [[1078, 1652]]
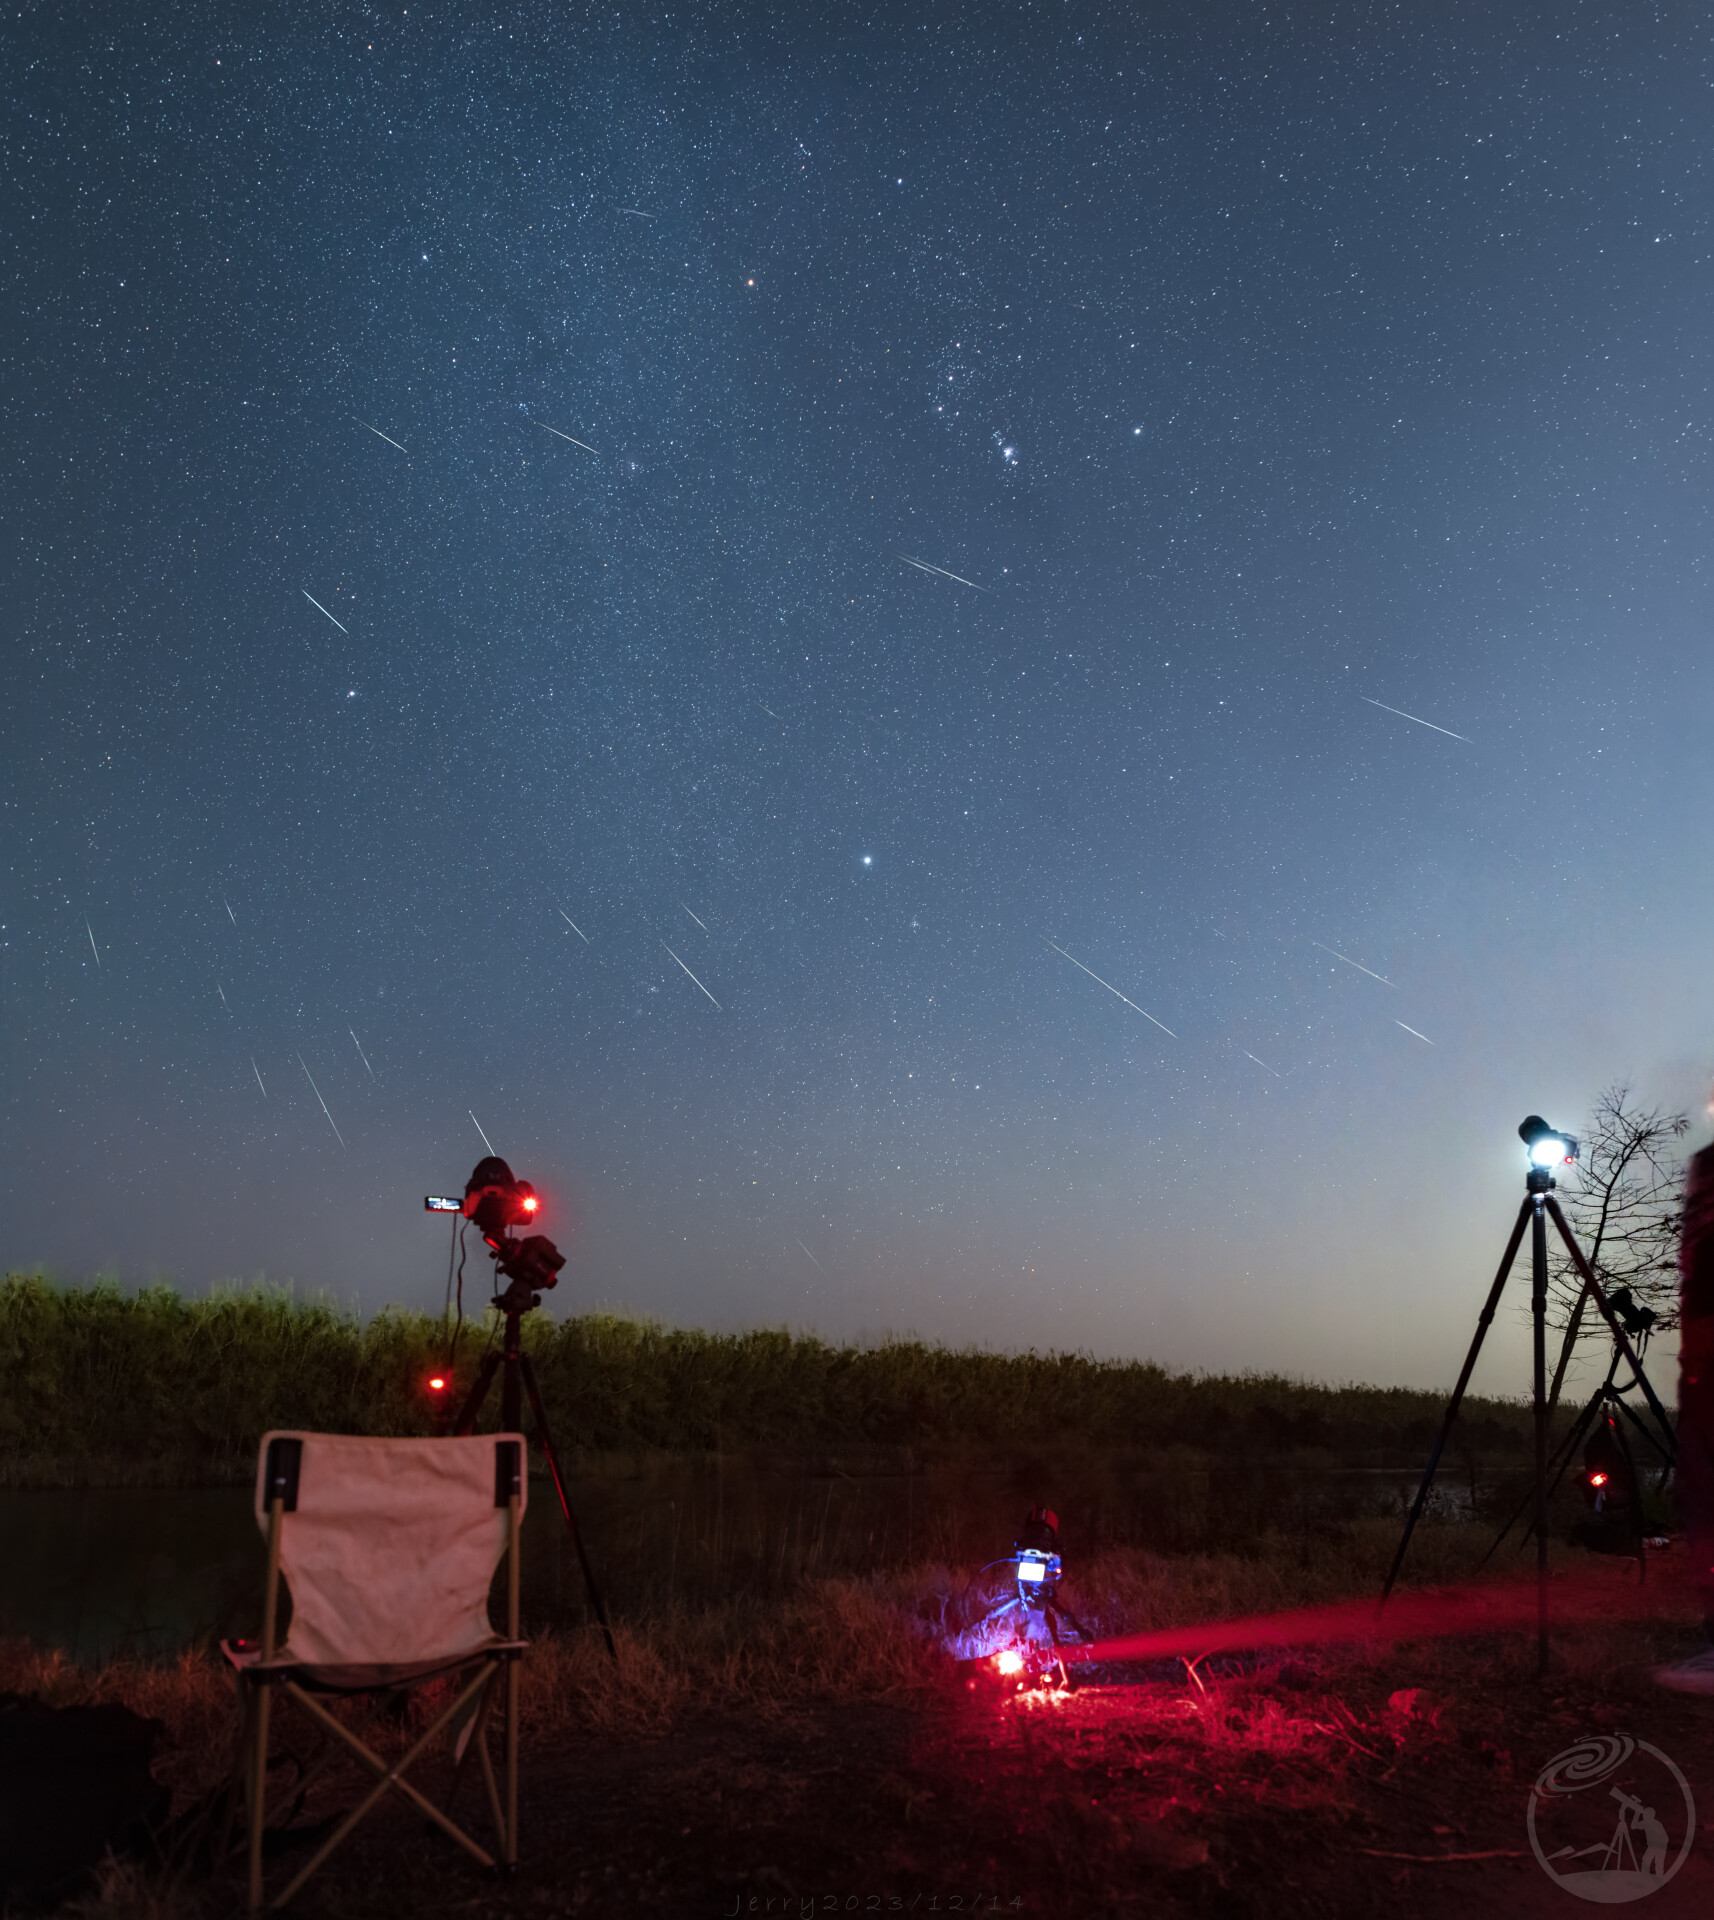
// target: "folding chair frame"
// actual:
[[257, 1686]]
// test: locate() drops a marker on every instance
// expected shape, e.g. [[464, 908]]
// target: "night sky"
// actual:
[[626, 573]]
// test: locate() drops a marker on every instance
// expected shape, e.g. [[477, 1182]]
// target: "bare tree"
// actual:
[[1623, 1201]]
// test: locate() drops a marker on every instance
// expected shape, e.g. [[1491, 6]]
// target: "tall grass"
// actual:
[[98, 1383]]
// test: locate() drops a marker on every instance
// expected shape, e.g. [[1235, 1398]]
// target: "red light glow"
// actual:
[[531, 1204], [1597, 1479], [1011, 1661], [437, 1383]]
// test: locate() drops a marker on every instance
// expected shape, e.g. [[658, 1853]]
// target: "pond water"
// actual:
[[147, 1570]]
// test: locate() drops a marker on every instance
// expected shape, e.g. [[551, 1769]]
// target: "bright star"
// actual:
[[868, 860]]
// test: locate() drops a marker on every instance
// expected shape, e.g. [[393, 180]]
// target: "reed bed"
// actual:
[[105, 1385]]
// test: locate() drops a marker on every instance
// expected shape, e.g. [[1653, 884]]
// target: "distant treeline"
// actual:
[[153, 1386]]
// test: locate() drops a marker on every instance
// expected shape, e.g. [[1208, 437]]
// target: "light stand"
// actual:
[[1547, 1150]]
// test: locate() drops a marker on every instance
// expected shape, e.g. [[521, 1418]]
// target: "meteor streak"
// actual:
[[1421, 723], [227, 1004], [1113, 990], [1248, 1055], [358, 1044], [310, 1077], [257, 1071], [1423, 1037], [925, 567], [717, 1005], [812, 1259], [566, 917], [379, 435], [693, 916], [314, 602], [584, 444], [477, 1124], [641, 215], [92, 946], [1385, 982], [227, 904]]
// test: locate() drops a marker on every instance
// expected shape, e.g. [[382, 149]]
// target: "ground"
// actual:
[[1334, 1778], [1348, 1780]]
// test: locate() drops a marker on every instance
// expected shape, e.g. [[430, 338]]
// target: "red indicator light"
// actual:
[[437, 1383], [531, 1204], [1011, 1661], [1597, 1479]]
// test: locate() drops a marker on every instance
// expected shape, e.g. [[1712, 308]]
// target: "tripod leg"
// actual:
[[1636, 1491], [466, 1420], [545, 1436], [1556, 1472], [1538, 1330], [1087, 1637], [1636, 1420], [1484, 1320], [1607, 1314], [1573, 1327]]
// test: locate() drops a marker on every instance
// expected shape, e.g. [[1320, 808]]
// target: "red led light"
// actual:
[[1011, 1661], [1597, 1479], [437, 1383], [531, 1204]]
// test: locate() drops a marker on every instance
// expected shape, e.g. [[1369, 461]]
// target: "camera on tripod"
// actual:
[[495, 1201]]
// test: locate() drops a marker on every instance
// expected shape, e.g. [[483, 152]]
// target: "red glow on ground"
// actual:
[[1434, 1613]]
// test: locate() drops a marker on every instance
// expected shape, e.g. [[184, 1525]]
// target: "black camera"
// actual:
[[496, 1201]]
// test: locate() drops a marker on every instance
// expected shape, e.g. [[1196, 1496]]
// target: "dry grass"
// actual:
[[1299, 1740], [828, 1640]]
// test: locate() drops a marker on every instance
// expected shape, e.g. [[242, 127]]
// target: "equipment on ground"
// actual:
[[1039, 1617]]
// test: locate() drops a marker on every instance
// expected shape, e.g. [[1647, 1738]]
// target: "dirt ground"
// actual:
[[1389, 1782]]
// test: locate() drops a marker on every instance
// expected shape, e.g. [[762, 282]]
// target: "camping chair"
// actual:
[[389, 1548]]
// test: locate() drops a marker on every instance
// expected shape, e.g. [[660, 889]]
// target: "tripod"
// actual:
[[1606, 1405], [514, 1303], [1538, 1207], [1053, 1618]]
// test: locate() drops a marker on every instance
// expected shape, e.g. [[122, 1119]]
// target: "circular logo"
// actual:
[[1611, 1819]]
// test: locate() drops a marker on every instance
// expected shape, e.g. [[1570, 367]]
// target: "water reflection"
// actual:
[[103, 1571]]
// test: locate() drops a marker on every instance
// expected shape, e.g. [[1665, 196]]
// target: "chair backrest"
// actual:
[[389, 1546]]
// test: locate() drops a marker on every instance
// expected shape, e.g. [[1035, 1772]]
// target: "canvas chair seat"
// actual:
[[388, 1549], [353, 1678]]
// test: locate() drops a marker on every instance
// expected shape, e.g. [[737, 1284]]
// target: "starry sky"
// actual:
[[806, 615]]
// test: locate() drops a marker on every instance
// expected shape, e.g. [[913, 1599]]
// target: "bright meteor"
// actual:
[[1385, 982], [1113, 990], [1421, 723], [314, 602], [584, 444], [717, 1006], [379, 435], [310, 1077]]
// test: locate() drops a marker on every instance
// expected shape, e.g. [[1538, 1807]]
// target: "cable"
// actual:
[[458, 1325]]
